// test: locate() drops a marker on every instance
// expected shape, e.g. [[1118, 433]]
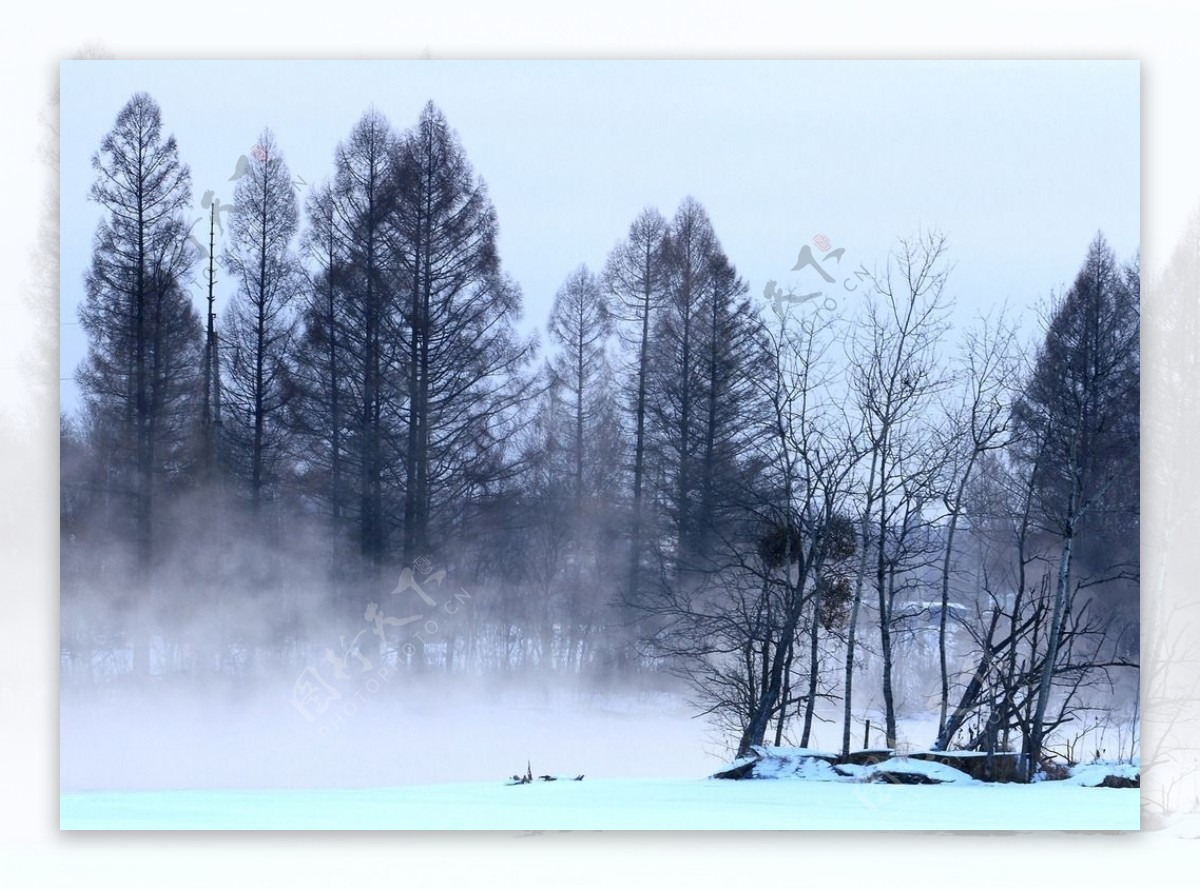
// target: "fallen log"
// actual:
[[740, 769]]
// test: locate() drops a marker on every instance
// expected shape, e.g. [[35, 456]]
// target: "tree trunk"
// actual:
[[1061, 595], [813, 667], [639, 451], [943, 666]]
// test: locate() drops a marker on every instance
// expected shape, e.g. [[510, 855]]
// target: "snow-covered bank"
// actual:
[[620, 805]]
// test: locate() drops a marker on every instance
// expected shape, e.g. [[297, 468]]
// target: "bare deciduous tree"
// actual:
[[895, 374]]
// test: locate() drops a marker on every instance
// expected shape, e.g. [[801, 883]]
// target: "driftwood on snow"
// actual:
[[527, 779]]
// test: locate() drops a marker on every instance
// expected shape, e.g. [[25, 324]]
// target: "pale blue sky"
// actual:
[[1019, 163]]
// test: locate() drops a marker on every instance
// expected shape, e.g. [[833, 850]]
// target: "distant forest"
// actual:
[[309, 420]]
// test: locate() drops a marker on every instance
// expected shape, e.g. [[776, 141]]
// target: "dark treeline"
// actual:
[[802, 515]]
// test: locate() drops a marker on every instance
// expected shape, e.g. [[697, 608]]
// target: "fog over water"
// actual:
[[429, 732], [439, 445]]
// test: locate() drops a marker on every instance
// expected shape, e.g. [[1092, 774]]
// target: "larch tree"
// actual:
[[733, 358], [260, 322], [580, 327], [1080, 408], [677, 372], [318, 412], [462, 363], [141, 328], [141, 375], [634, 276], [364, 192], [701, 358]]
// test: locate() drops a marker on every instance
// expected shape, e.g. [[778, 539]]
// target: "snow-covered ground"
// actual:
[[1092, 774], [439, 761], [677, 804]]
